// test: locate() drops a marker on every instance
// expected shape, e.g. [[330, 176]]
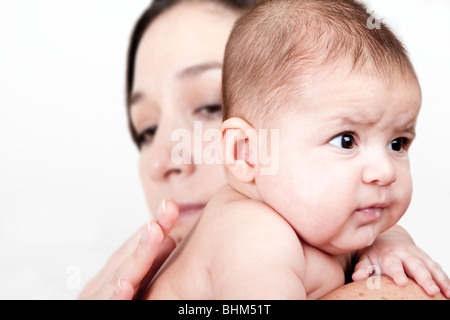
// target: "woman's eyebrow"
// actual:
[[188, 72], [197, 69], [135, 98]]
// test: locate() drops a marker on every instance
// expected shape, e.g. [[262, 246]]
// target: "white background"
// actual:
[[69, 187]]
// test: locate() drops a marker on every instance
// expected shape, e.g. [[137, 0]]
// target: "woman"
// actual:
[[173, 80]]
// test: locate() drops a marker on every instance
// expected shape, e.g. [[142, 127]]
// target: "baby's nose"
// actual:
[[379, 169]]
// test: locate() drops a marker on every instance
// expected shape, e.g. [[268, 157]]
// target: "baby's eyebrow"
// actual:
[[406, 125], [355, 121], [409, 127]]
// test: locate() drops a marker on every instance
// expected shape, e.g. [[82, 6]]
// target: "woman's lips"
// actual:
[[190, 209]]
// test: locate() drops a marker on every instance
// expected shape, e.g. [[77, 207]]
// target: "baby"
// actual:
[[343, 101]]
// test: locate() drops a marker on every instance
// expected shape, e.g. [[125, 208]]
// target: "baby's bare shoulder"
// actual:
[[246, 225], [251, 216]]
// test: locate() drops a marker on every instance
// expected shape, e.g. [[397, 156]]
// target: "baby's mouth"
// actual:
[[371, 214]]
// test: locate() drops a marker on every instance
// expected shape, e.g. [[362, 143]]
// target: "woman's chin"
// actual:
[[183, 226]]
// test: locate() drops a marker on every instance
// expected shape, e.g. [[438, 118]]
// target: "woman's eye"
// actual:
[[210, 111], [399, 144], [146, 136], [344, 141]]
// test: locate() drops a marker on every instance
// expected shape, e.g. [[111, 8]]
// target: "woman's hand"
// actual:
[[131, 268], [397, 256]]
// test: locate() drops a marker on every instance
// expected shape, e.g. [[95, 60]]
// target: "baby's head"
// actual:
[[342, 99]]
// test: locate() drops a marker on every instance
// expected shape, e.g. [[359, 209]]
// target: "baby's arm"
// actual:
[[260, 258]]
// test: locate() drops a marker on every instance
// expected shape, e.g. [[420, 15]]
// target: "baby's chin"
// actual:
[[363, 239]]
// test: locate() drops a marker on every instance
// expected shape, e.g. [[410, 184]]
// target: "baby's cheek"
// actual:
[[402, 203], [407, 191]]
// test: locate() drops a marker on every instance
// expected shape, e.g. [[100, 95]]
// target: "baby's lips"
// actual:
[[370, 214]]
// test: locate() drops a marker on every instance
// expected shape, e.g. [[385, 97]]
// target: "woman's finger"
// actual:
[[101, 286], [167, 215], [123, 290], [131, 268], [136, 266], [166, 249]]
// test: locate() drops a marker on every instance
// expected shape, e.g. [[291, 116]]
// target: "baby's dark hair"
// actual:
[[275, 47]]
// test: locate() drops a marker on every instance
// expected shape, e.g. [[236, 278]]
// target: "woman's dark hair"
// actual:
[[155, 8]]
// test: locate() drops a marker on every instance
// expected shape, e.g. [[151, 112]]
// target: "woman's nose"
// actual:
[[162, 166], [379, 169]]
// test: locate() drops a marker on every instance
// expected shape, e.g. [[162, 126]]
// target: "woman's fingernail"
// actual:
[[118, 287], [161, 210], [145, 233]]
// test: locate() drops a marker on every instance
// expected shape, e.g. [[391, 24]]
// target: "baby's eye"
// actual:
[[210, 111], [399, 144], [146, 136], [344, 141]]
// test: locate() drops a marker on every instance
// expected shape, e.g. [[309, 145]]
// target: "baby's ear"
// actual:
[[239, 141]]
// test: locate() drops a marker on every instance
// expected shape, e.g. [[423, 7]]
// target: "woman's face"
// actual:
[[177, 81]]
